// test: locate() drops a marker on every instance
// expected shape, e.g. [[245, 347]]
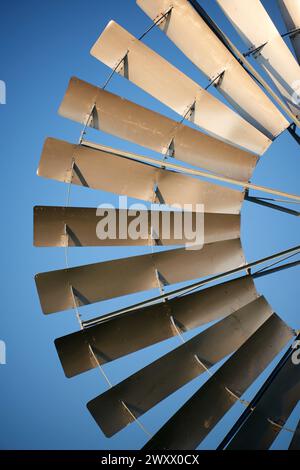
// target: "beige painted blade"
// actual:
[[95, 282], [210, 403], [271, 412], [275, 57], [143, 327], [290, 10], [77, 226], [147, 387], [111, 172], [130, 121], [185, 27], [172, 87]]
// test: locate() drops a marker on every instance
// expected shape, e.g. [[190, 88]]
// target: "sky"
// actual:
[[42, 45]]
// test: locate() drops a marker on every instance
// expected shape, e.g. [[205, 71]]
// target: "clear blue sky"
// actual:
[[44, 43]]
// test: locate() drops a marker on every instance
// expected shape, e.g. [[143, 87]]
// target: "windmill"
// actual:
[[223, 145]]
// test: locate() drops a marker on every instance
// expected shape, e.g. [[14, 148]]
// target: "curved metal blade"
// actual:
[[271, 412], [95, 282], [272, 54], [190, 33], [210, 403], [153, 383], [79, 226], [109, 171], [147, 128], [149, 325]]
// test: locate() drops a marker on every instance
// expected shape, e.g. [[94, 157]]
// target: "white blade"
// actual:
[[158, 77], [185, 27], [275, 57]]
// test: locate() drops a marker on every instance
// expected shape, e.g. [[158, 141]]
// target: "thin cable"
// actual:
[[78, 315], [178, 332], [86, 124], [182, 339], [141, 37], [176, 128], [68, 197], [114, 71], [276, 262], [256, 399], [101, 369], [100, 366], [143, 428], [243, 402], [211, 82], [277, 425], [156, 23]]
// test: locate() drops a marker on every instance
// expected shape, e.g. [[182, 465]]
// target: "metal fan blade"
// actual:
[[290, 10], [95, 282], [210, 403], [295, 443], [143, 327], [172, 87], [77, 226], [155, 75], [109, 171], [153, 383], [272, 53], [130, 121], [271, 412]]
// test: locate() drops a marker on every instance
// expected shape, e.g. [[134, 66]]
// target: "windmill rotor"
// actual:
[[204, 160]]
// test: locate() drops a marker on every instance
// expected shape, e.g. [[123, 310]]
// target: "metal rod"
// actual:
[[113, 71], [291, 33], [191, 171], [213, 81], [156, 23], [118, 313], [292, 130], [86, 124], [262, 202], [233, 49], [244, 416], [254, 51], [275, 270]]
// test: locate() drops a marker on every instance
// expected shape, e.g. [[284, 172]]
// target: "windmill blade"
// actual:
[[290, 10], [95, 282], [210, 403], [185, 27], [295, 443], [129, 121], [143, 327], [172, 87], [158, 380], [108, 171], [271, 53], [271, 412], [79, 226]]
